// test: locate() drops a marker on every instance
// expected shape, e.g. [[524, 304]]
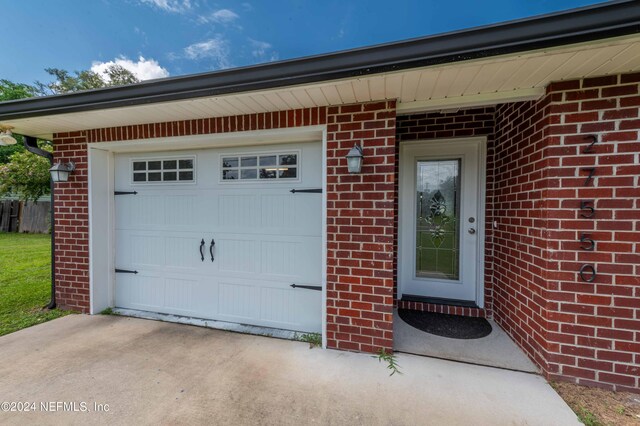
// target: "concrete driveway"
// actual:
[[150, 372]]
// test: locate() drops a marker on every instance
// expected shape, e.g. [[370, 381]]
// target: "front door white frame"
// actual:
[[102, 202], [405, 206]]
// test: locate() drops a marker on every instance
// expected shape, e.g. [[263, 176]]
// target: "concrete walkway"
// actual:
[[496, 350], [150, 372]]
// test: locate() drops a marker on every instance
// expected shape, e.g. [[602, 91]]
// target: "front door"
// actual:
[[441, 189]]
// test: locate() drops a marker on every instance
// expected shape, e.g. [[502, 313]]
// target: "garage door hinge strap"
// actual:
[[308, 287], [125, 192], [125, 271], [315, 190]]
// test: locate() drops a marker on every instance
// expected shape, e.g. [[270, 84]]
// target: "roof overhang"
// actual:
[[481, 66]]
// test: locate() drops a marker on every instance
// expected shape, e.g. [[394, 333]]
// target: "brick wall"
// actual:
[[586, 332], [72, 225], [360, 228], [520, 244], [594, 327], [575, 330], [457, 124], [360, 212]]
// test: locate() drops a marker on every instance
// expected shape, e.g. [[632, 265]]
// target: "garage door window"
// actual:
[[168, 170], [251, 167]]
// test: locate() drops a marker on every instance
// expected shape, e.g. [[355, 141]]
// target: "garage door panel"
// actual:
[[190, 296], [237, 255], [183, 252], [308, 305], [278, 211], [266, 238], [269, 304], [237, 302], [170, 211], [190, 212], [291, 308], [308, 218], [146, 250], [280, 257], [140, 292], [238, 212], [135, 211], [291, 258], [278, 305], [167, 294], [290, 214]]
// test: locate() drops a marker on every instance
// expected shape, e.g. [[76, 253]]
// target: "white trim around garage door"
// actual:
[[101, 199]]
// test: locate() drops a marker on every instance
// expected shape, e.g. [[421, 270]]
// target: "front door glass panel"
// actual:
[[438, 219]]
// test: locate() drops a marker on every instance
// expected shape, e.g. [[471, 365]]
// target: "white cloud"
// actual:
[[222, 16], [144, 69], [175, 6], [259, 48], [215, 48], [262, 50]]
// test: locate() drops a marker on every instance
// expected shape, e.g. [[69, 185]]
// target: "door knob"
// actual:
[[472, 231]]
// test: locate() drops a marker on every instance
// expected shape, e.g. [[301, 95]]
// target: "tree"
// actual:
[[10, 91], [23, 173], [26, 174], [65, 82], [120, 76]]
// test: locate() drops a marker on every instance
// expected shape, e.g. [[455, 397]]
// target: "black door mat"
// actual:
[[445, 325]]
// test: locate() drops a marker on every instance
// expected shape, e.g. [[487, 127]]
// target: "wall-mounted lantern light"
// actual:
[[5, 136], [354, 159], [60, 171]]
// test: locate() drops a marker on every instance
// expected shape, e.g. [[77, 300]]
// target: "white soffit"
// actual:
[[486, 81]]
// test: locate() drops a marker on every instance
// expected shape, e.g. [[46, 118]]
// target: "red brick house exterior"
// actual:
[[562, 207], [360, 226], [571, 329]]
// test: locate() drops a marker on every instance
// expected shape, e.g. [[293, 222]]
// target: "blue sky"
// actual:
[[157, 38]]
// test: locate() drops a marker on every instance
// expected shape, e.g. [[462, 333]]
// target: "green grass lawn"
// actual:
[[25, 281]]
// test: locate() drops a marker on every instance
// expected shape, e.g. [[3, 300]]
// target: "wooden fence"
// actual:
[[20, 216]]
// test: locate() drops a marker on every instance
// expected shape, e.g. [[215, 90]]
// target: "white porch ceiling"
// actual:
[[487, 81]]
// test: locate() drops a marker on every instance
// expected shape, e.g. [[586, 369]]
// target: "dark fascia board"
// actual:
[[585, 24]]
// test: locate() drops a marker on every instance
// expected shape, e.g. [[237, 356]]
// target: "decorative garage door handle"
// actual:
[[211, 246], [307, 287], [125, 271], [202, 252], [312, 191]]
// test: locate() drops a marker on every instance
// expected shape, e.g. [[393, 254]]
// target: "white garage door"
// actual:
[[218, 234]]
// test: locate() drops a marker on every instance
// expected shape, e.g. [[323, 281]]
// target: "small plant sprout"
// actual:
[[313, 339], [390, 359], [588, 418], [108, 311]]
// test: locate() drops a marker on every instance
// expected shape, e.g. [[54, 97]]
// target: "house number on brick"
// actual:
[[589, 149], [588, 271], [592, 172], [589, 210]]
